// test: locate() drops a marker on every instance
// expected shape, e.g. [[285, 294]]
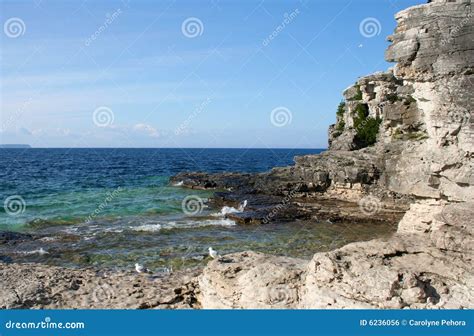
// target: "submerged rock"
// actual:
[[13, 238]]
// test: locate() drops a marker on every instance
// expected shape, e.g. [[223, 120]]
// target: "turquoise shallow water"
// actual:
[[115, 207]]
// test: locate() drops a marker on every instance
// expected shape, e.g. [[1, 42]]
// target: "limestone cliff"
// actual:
[[405, 135]]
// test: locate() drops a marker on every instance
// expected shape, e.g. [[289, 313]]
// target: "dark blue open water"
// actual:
[[114, 207]]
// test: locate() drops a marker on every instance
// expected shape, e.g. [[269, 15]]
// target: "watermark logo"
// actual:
[[192, 27], [456, 30], [103, 116], [16, 115], [192, 205], [287, 19], [370, 205], [109, 197], [181, 129], [14, 27], [14, 205], [279, 207], [46, 324], [461, 117], [109, 19], [281, 116], [370, 27], [281, 294], [103, 293]]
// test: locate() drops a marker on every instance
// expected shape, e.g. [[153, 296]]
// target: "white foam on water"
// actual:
[[39, 251], [225, 211], [147, 228], [207, 222], [48, 239], [113, 230], [178, 184], [228, 210], [188, 224]]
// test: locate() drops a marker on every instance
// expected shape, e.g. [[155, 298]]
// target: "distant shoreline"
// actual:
[[203, 148], [19, 146]]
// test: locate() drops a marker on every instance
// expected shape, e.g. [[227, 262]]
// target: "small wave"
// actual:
[[178, 184], [189, 224], [147, 228], [228, 210], [201, 223], [48, 239], [39, 251]]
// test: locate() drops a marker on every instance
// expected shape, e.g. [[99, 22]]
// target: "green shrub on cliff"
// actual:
[[340, 115], [340, 126], [340, 109], [366, 127]]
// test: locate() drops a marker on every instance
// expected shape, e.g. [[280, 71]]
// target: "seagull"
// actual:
[[212, 253], [141, 269], [42, 251], [242, 206]]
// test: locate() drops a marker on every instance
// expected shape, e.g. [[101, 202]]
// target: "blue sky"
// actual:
[[184, 73]]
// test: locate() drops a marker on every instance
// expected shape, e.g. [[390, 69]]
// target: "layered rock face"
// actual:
[[421, 153]]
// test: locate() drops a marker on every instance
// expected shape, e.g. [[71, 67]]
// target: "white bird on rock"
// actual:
[[213, 254], [242, 206], [141, 269]]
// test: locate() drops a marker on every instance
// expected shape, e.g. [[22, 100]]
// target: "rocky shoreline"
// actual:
[[401, 150], [403, 138]]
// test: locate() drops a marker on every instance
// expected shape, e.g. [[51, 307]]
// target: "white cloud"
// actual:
[[57, 132], [147, 129]]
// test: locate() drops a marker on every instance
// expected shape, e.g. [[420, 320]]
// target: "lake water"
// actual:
[[115, 207]]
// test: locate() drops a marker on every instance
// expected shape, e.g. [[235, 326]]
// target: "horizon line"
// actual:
[[162, 147]]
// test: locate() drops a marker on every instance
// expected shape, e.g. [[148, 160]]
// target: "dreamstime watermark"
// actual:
[[461, 117], [282, 294], [451, 242], [453, 33], [470, 79], [46, 324], [109, 198], [103, 293], [14, 205], [287, 199], [192, 205], [109, 19], [185, 124], [16, 115], [370, 205], [14, 27], [281, 116], [192, 27], [370, 27], [287, 19], [103, 116]]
